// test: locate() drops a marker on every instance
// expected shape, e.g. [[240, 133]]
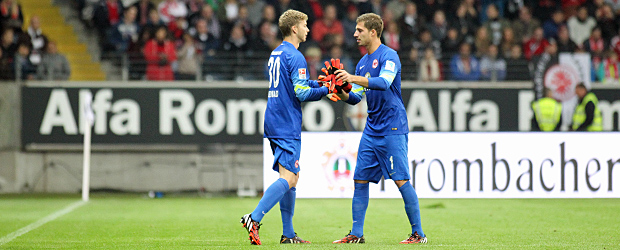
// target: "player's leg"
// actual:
[[367, 170], [287, 209], [286, 163], [393, 158]]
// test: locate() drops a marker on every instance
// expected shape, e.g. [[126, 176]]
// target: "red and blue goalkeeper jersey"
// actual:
[[288, 87], [386, 110]]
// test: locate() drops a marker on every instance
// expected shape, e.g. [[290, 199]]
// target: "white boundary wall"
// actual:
[[468, 165]]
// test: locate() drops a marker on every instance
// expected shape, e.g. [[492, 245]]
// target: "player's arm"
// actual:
[[354, 96], [383, 82], [306, 93]]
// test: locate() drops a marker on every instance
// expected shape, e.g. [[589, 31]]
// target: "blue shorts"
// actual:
[[382, 155], [286, 152]]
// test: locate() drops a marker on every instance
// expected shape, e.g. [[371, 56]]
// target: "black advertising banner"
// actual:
[[204, 115]]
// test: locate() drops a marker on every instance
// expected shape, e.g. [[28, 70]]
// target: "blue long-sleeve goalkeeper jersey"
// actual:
[[386, 110], [288, 87]]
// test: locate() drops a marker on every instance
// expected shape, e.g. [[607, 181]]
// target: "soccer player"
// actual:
[[383, 147], [288, 87]]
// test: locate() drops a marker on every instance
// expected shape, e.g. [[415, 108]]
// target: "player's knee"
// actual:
[[360, 181], [400, 183]]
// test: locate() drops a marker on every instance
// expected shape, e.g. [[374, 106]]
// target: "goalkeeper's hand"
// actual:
[[336, 86]]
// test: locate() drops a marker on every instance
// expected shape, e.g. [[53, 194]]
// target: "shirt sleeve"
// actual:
[[389, 68], [302, 86]]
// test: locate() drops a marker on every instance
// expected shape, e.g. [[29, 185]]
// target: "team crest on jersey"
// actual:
[[375, 63], [389, 65], [297, 164], [302, 73]]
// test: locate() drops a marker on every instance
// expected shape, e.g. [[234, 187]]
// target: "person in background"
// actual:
[[143, 8], [495, 24], [159, 54], [551, 26], [565, 44], [580, 26], [536, 45], [37, 39], [526, 24], [53, 66], [188, 59], [517, 68], [24, 68], [608, 69], [11, 16], [492, 65], [326, 25], [430, 67], [587, 116], [169, 10], [464, 66], [508, 40], [547, 113]]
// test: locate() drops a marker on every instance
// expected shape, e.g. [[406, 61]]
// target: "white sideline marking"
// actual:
[[8, 238]]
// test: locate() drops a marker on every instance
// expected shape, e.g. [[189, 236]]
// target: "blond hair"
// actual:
[[371, 21], [288, 19]]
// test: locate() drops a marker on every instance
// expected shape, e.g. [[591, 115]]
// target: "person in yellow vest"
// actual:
[[587, 116], [547, 113]]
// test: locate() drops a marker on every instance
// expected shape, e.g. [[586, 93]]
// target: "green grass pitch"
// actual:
[[136, 222]]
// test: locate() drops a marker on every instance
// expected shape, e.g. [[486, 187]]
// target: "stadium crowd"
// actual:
[[27, 54], [468, 40]]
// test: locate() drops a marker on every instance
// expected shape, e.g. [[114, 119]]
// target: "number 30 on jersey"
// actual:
[[274, 71]]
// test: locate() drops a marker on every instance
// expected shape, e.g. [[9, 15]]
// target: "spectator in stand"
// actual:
[[107, 14], [154, 22], [450, 45], [126, 32], [606, 20], [482, 41], [342, 7], [570, 7], [23, 65], [194, 7], [237, 42], [508, 40], [615, 44], [11, 16], [551, 26], [8, 45], [492, 65], [580, 25], [430, 67], [267, 39], [313, 57], [37, 39], [426, 41], [213, 24], [614, 5], [54, 66], [255, 10], [439, 26], [595, 45], [159, 54], [465, 22], [397, 7], [513, 7], [269, 16], [495, 24], [545, 9], [464, 66], [314, 10], [594, 7], [243, 20], [348, 25], [410, 65], [337, 52], [228, 11], [6, 67], [565, 44], [430, 7], [177, 28], [410, 25], [169, 10], [516, 65], [206, 43], [327, 25], [484, 9], [526, 24], [143, 7], [135, 53], [391, 36], [188, 59], [536, 45], [608, 69]]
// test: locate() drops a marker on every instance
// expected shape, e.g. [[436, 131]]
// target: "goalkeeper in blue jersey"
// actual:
[[288, 87], [383, 147]]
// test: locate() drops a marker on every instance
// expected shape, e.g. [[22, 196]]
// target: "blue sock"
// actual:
[[287, 209], [412, 207], [272, 195], [360, 204]]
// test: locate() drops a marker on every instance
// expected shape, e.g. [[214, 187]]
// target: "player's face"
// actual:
[[362, 35], [302, 30]]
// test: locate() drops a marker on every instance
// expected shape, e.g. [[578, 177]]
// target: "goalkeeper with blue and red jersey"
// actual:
[[383, 147], [288, 87]]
